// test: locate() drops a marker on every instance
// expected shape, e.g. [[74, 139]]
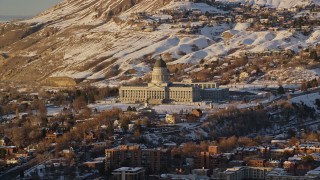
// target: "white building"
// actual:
[[160, 90]]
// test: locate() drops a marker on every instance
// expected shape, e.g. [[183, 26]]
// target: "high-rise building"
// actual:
[[209, 159], [153, 160]]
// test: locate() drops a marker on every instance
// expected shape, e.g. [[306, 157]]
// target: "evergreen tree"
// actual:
[[314, 55], [281, 90], [22, 174], [317, 103], [134, 109]]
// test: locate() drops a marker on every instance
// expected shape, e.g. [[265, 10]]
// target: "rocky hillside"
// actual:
[[68, 38], [113, 41]]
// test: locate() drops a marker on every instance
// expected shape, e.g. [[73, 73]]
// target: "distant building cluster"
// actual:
[[267, 173], [135, 161], [154, 160]]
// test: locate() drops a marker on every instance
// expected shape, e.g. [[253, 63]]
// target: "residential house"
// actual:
[[197, 112]]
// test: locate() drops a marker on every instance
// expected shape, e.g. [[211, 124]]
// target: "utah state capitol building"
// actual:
[[160, 90]]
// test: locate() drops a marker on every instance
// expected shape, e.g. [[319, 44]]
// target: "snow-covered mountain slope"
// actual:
[[276, 3], [94, 12], [116, 40]]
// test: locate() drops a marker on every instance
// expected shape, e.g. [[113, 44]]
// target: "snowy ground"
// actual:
[[54, 110], [101, 106], [169, 109], [308, 99]]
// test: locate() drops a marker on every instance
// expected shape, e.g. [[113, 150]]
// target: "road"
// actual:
[[14, 173]]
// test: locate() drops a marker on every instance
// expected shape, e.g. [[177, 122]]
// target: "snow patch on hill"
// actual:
[[241, 26], [314, 37], [252, 41], [308, 99]]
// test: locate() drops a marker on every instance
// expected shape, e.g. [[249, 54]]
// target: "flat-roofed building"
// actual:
[[245, 172], [129, 173]]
